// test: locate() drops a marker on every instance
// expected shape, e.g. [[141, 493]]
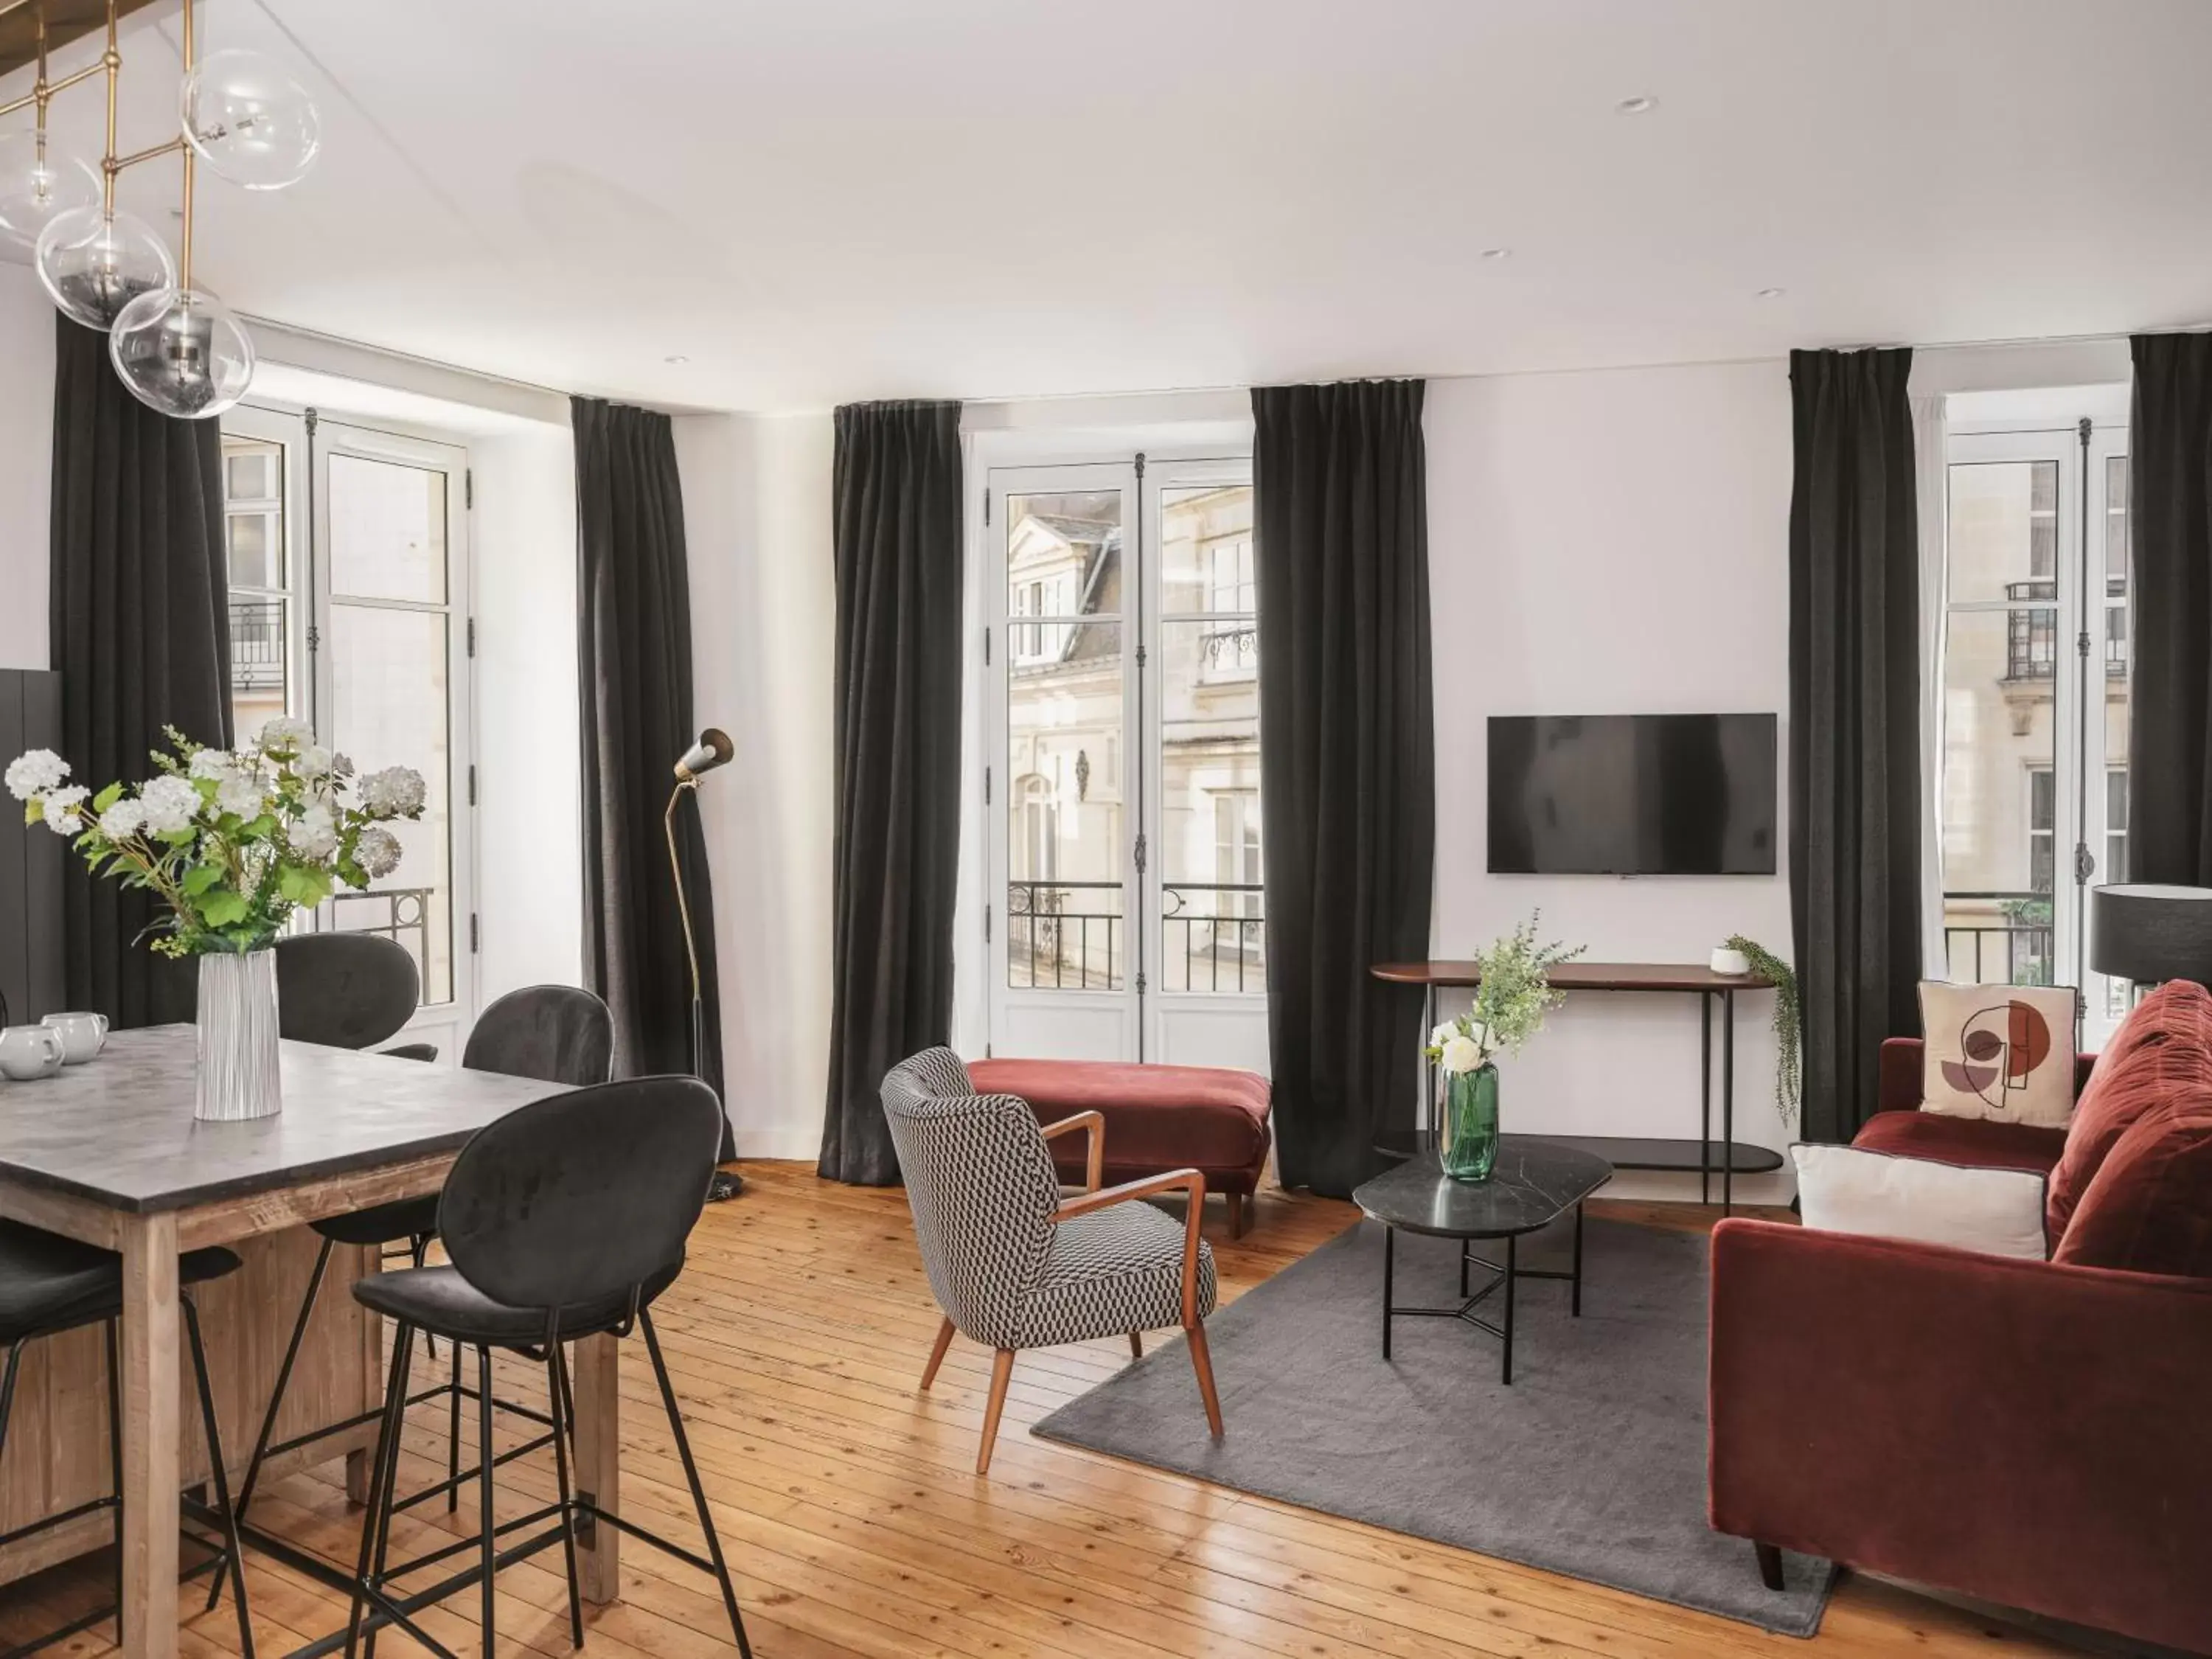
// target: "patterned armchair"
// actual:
[[1014, 1265]]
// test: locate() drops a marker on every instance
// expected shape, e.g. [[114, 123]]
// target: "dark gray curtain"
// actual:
[[896, 502], [1854, 726], [634, 676], [139, 618], [1347, 750], [2170, 527]]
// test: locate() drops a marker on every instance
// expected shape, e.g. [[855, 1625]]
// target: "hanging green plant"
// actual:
[[1788, 1066]]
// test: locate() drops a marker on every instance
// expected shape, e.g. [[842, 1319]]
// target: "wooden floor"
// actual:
[[855, 1525]]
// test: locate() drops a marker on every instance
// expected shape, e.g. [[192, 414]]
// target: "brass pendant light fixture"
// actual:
[[176, 346]]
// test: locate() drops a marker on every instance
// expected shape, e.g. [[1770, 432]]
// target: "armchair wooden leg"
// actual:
[[1236, 1217], [1202, 1362], [1002, 1368], [937, 1355], [1770, 1564], [1136, 1345]]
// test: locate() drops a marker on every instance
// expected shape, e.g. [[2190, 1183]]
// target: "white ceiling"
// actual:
[[821, 200]]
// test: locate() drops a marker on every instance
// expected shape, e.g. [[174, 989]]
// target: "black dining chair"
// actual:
[[50, 1284], [564, 1219], [553, 1033]]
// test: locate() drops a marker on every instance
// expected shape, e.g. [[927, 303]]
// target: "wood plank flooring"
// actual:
[[855, 1525]]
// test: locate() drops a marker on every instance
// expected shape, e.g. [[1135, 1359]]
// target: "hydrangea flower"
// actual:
[[378, 849], [315, 832], [211, 764], [60, 809], [313, 762], [171, 804], [283, 733], [123, 820], [34, 772], [241, 795], [396, 792]]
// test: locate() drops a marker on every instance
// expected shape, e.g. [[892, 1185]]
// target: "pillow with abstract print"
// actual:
[[2001, 1052]]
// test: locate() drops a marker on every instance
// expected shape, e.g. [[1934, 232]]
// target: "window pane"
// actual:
[[1063, 559], [1207, 562], [1067, 834], [2115, 524], [387, 530], [389, 676], [252, 471], [1213, 908], [256, 548], [260, 659], [1999, 800], [2003, 531]]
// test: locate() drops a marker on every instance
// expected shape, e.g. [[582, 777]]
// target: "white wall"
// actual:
[[26, 444], [1610, 542], [764, 606]]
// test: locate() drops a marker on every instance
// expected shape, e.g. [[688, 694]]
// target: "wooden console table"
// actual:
[[1635, 1152]]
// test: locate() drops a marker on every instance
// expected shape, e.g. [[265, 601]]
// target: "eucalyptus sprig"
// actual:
[[1511, 999], [1788, 1044]]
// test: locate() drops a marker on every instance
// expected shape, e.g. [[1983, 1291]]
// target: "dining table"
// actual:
[[110, 1152]]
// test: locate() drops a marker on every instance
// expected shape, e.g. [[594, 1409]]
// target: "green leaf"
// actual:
[[107, 798], [33, 810], [304, 887], [201, 876], [221, 908]]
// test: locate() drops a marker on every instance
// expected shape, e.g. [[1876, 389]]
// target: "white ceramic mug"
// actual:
[[83, 1036], [30, 1051], [1732, 963]]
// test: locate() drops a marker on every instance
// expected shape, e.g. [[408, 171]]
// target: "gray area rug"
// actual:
[[1592, 1464]]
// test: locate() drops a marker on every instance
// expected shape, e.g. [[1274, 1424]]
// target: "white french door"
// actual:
[[2033, 778], [350, 608], [1126, 913]]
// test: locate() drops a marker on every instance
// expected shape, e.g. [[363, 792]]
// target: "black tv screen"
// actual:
[[1633, 794]]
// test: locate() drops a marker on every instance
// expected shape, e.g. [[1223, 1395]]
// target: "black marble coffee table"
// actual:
[[1534, 1182]]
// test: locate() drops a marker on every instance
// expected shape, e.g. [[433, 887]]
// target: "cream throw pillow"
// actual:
[[1849, 1189], [2002, 1052]]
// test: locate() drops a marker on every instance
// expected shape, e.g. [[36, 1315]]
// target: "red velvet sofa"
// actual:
[[2033, 1433], [1157, 1118]]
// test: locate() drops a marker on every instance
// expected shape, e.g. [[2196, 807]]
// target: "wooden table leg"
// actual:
[[597, 1386], [151, 1469]]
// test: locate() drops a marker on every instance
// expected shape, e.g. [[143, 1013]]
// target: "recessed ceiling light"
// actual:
[[1498, 253], [675, 360], [1637, 106], [1773, 293]]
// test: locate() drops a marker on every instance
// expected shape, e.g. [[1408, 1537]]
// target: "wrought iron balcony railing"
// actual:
[[1069, 936], [257, 645], [2012, 947]]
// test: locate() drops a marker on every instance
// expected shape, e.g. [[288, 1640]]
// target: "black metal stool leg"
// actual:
[[233, 1554], [454, 1436], [1389, 1254], [1575, 1291], [275, 1401], [554, 1395], [692, 1474], [376, 1524], [489, 1530], [1507, 1374]]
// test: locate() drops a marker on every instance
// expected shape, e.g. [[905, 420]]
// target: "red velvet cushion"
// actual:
[[2149, 1208], [1971, 1141], [1158, 1117], [2162, 1050]]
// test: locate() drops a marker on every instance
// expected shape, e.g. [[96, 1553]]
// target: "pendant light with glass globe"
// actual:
[[176, 347]]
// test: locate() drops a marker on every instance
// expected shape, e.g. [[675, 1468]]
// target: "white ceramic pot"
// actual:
[[30, 1051], [83, 1036], [1734, 963]]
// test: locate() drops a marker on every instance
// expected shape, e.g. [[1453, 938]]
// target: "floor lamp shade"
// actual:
[[2150, 934]]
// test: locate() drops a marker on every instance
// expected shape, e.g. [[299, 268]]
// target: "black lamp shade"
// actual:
[[2151, 933]]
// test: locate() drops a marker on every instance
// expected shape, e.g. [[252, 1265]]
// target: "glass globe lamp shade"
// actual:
[[250, 121], [38, 183], [94, 263], [182, 352]]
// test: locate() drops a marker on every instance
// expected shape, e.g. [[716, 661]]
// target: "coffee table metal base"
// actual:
[[1501, 1276]]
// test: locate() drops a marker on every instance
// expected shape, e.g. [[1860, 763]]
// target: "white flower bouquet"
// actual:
[[1511, 1002], [233, 841]]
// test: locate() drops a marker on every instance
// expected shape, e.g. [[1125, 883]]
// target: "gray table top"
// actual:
[[119, 1129], [1532, 1184]]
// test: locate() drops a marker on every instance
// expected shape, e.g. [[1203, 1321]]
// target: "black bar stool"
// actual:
[[563, 1219], [50, 1284], [554, 1033]]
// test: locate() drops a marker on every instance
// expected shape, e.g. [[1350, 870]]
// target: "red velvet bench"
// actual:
[[1157, 1118]]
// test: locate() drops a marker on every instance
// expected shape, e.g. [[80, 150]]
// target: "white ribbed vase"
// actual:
[[238, 1069]]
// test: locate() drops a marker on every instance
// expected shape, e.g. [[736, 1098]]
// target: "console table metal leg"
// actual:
[[1704, 1097], [1390, 1250], [1466, 1248], [1728, 1101], [1424, 1115], [1507, 1376], [1575, 1288]]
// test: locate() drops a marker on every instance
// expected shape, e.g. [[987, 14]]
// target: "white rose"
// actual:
[[378, 851], [396, 792], [283, 734], [171, 804], [315, 761], [1460, 1055], [123, 820], [315, 834], [60, 809], [1443, 1034], [34, 772], [240, 795]]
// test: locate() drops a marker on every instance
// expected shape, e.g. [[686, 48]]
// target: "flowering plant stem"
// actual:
[[1513, 996]]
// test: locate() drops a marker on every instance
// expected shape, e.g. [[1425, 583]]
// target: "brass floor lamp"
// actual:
[[714, 749]]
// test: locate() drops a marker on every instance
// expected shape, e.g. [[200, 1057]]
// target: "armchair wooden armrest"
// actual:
[[1093, 1124], [1190, 1182]]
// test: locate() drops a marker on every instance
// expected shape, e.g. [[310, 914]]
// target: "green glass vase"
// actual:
[[1469, 1146]]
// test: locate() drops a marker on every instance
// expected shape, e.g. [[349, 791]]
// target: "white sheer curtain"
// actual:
[[1931, 483]]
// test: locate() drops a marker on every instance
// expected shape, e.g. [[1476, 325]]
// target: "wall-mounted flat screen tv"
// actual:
[[1633, 794]]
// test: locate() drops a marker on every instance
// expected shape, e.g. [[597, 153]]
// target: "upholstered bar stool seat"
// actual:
[[439, 1299]]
